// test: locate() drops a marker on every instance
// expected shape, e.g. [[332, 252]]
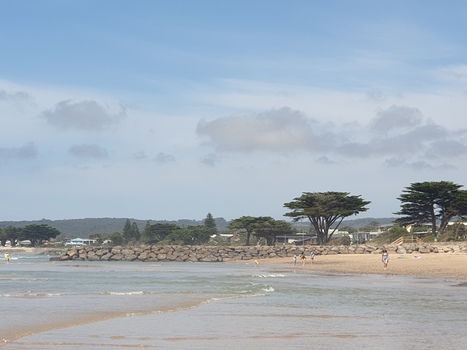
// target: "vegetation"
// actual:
[[104, 226], [131, 232], [455, 232], [210, 223], [391, 235], [35, 234], [269, 229], [153, 234], [345, 240], [433, 202], [325, 210], [248, 224]]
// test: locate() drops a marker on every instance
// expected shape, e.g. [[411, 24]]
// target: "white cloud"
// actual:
[[417, 165], [211, 159], [397, 132], [275, 130], [396, 117], [84, 115], [16, 96], [140, 155], [88, 151], [26, 152], [164, 158]]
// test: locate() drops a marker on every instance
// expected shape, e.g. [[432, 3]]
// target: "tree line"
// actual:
[[436, 203], [34, 233], [162, 233]]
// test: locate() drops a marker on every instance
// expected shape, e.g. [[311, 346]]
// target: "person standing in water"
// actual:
[[7, 258], [385, 258], [303, 257], [312, 257]]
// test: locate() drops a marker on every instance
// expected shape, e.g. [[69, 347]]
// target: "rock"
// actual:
[[401, 250], [218, 254]]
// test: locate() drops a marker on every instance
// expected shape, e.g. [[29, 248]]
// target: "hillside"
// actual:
[[85, 227]]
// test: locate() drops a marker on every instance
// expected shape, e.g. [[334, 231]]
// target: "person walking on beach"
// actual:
[[7, 258], [385, 258], [312, 257], [303, 257], [294, 259]]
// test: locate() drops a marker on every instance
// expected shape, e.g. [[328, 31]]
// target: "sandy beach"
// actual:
[[428, 265], [432, 264]]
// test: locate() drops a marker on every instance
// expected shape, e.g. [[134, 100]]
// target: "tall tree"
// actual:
[[136, 233], [433, 202], [130, 232], [191, 235], [325, 210], [158, 232], [12, 234], [460, 204], [3, 238], [127, 231], [209, 222], [246, 223], [38, 234], [270, 228]]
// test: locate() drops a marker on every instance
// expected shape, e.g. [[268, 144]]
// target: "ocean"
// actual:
[[175, 305]]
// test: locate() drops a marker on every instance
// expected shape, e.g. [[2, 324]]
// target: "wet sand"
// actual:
[[429, 265]]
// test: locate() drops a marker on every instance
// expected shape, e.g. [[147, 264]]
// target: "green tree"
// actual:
[[432, 202], [460, 204], [116, 238], [191, 235], [12, 234], [38, 234], [246, 223], [3, 238], [269, 229], [325, 210], [158, 232], [130, 232], [136, 233], [209, 222], [127, 231]]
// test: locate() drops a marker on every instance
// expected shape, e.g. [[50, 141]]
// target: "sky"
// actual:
[[169, 110]]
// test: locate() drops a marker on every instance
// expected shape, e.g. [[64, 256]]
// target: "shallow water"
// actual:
[[95, 305]]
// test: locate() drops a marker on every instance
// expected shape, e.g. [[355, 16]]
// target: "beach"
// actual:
[[415, 264], [424, 265]]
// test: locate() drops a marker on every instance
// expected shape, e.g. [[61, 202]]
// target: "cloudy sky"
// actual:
[[173, 109]]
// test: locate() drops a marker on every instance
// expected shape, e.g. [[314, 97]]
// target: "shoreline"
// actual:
[[419, 265], [416, 264]]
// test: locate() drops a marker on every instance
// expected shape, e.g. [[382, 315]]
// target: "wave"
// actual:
[[270, 276], [127, 293], [31, 295]]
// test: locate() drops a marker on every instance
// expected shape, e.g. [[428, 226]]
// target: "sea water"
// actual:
[[174, 305]]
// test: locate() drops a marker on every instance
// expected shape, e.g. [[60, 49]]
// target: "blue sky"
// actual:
[[173, 109]]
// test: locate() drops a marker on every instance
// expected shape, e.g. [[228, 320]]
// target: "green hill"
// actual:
[[85, 227]]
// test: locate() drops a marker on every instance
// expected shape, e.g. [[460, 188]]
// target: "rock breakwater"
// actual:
[[154, 253]]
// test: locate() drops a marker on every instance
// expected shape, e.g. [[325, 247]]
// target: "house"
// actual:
[[78, 242], [299, 238]]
